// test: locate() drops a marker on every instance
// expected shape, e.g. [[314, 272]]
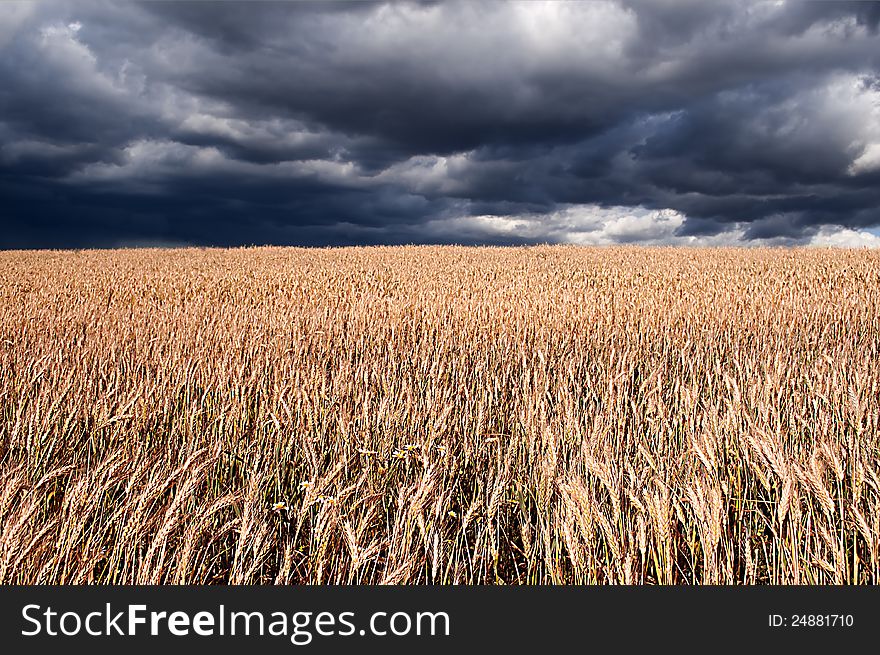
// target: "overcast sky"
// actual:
[[497, 122]]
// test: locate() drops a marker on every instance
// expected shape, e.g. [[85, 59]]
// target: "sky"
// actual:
[[250, 123]]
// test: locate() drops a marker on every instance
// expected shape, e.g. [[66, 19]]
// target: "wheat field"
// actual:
[[440, 415]]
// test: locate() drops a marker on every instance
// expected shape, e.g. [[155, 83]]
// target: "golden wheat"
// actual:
[[440, 415]]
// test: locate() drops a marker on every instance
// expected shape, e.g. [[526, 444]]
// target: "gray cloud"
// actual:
[[335, 123]]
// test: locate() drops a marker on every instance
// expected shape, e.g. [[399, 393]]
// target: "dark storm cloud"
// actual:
[[333, 123]]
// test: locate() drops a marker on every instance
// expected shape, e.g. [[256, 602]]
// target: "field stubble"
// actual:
[[440, 415]]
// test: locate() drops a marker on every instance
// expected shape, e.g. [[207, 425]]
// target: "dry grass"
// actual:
[[440, 415]]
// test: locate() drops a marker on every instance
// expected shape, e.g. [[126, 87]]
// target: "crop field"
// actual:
[[440, 415]]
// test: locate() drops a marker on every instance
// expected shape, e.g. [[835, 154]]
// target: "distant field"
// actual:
[[440, 415]]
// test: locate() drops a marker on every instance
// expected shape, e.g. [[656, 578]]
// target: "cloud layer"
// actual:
[[336, 123]]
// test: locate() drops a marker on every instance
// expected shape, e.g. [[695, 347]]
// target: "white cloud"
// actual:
[[431, 174], [868, 161], [863, 101], [845, 238], [576, 224], [602, 226], [13, 15], [146, 164], [75, 64]]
